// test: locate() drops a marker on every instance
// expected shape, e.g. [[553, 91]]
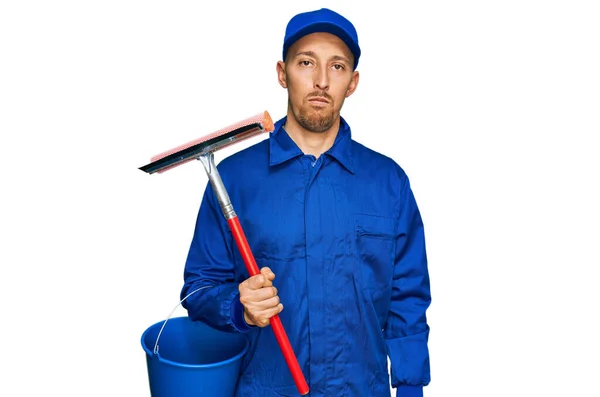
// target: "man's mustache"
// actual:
[[321, 94]]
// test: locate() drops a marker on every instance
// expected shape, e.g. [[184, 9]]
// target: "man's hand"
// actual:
[[259, 297]]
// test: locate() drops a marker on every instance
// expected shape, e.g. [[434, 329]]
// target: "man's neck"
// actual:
[[315, 143]]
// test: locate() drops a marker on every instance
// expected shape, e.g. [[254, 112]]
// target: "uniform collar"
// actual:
[[283, 148]]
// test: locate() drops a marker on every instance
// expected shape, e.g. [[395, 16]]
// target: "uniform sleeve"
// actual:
[[406, 331], [210, 264]]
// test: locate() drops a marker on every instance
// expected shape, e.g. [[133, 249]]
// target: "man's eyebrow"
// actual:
[[312, 54], [340, 58], [306, 53]]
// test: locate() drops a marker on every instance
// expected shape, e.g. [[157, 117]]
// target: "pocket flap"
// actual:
[[374, 226]]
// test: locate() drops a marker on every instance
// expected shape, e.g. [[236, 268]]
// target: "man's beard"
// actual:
[[317, 122]]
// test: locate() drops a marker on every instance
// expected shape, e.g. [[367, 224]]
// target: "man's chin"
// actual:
[[316, 118], [318, 125]]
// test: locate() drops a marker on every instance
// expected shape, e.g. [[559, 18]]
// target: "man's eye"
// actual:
[[305, 63], [337, 66]]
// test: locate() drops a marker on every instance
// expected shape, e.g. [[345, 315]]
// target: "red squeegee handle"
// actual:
[[280, 334]]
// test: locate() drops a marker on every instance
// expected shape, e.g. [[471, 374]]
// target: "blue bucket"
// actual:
[[193, 359]]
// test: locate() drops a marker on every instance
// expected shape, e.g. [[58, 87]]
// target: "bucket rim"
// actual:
[[150, 353]]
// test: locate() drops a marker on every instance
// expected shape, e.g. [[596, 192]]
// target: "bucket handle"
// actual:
[[171, 314]]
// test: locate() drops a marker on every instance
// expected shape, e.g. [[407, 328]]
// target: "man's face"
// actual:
[[318, 75]]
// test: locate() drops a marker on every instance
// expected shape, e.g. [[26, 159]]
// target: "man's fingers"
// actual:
[[268, 273], [256, 303], [267, 308], [263, 319], [268, 304], [257, 296], [273, 311], [258, 281], [263, 279], [262, 294]]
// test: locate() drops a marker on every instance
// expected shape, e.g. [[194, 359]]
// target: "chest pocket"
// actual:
[[374, 250]]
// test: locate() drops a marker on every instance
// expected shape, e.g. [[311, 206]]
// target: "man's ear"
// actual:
[[281, 77], [353, 84]]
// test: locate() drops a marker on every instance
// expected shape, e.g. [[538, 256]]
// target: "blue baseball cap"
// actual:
[[323, 20]]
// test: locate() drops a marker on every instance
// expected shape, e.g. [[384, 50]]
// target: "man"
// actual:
[[339, 226]]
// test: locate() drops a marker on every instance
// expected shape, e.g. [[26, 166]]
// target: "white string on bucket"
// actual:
[[171, 314]]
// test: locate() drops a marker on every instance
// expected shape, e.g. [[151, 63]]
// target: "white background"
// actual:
[[492, 108]]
